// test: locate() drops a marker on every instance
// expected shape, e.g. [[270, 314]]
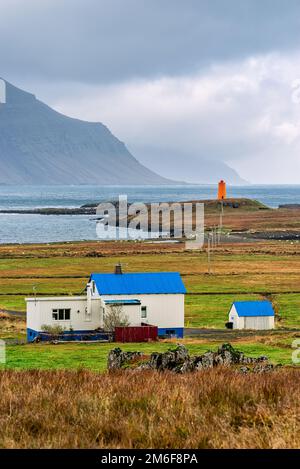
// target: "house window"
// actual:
[[61, 314], [144, 312], [93, 288]]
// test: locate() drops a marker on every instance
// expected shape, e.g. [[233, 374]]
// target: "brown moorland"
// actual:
[[218, 408]]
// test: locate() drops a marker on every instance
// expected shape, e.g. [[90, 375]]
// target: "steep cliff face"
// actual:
[[40, 146]]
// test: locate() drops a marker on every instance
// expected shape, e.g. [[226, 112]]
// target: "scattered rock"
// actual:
[[244, 369], [118, 359], [94, 254], [263, 368]]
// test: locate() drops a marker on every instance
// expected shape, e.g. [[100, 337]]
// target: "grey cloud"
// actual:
[[100, 41], [151, 70], [241, 113]]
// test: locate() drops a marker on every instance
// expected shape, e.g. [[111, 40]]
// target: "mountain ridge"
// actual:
[[39, 145]]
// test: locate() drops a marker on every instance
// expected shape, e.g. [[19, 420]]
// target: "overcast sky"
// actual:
[[177, 80]]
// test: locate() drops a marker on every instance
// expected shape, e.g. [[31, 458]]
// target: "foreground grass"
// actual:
[[217, 408]]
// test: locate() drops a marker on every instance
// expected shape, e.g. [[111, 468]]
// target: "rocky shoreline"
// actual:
[[84, 210], [274, 235], [280, 231]]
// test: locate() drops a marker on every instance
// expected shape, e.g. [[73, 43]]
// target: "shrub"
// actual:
[[54, 331], [114, 317]]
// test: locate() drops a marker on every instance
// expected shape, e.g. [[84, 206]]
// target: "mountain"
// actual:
[[41, 146], [195, 168]]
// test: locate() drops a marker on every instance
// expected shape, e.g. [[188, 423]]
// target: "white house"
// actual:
[[148, 298], [252, 315]]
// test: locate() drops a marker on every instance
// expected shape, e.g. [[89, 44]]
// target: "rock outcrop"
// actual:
[[178, 360]]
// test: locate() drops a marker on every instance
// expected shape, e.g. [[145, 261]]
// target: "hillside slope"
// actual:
[[41, 146]]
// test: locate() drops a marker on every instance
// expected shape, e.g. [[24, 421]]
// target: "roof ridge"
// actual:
[[134, 273], [134, 283]]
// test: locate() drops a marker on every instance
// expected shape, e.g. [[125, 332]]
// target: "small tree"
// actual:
[[114, 317]]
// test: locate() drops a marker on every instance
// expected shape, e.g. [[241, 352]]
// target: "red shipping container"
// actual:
[[136, 333]]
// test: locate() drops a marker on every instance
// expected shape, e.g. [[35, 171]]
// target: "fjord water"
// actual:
[[24, 228]]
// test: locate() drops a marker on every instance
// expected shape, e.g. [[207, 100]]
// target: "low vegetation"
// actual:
[[217, 408], [115, 317], [93, 356], [60, 396], [11, 326]]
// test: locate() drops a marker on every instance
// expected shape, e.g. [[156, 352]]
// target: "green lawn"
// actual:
[[289, 310], [12, 303], [94, 356], [210, 311]]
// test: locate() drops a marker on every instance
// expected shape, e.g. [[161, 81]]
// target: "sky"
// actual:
[[179, 81]]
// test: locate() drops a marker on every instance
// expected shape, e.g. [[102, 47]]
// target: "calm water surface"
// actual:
[[17, 228]]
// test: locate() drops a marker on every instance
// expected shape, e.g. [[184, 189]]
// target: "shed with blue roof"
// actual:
[[258, 315]]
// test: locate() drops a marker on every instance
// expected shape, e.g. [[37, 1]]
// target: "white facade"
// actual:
[[40, 312], [250, 322], [165, 311]]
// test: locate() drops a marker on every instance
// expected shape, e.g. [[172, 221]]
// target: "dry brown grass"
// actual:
[[218, 408], [87, 249], [262, 220], [11, 324]]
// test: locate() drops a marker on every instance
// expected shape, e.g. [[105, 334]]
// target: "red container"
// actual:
[[136, 334]]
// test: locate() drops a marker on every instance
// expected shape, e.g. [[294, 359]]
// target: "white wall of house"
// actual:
[[132, 312], [40, 312], [259, 322], [250, 322], [163, 310]]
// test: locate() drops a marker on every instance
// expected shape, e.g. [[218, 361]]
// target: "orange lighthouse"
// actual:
[[222, 190]]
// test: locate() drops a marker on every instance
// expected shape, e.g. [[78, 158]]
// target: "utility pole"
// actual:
[[215, 236], [221, 222], [34, 292], [209, 244]]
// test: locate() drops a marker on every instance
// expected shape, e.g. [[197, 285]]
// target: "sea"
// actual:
[[32, 228]]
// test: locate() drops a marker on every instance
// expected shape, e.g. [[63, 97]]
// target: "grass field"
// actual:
[[216, 408], [60, 396], [239, 272], [247, 271]]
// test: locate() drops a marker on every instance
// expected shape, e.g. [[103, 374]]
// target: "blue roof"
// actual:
[[138, 283], [122, 302], [254, 308]]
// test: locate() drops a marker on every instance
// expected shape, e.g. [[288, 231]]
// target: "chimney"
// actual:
[[118, 269]]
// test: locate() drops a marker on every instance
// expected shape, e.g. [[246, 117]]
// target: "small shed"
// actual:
[[258, 315]]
